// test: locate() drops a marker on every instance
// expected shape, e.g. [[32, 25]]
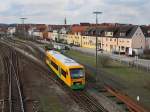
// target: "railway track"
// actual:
[[87, 102], [2, 105], [90, 104], [15, 98], [82, 98]]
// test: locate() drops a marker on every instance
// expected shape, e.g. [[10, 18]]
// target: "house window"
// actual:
[[122, 47], [122, 34], [111, 47]]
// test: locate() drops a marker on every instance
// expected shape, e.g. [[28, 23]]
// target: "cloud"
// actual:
[[54, 11]]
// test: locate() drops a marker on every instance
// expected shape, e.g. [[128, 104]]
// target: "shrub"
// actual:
[[145, 57], [147, 51], [104, 60]]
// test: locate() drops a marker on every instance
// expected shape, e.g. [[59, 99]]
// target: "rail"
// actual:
[[132, 105], [15, 96], [87, 101]]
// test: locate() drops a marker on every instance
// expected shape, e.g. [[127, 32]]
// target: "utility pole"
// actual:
[[96, 13], [23, 21]]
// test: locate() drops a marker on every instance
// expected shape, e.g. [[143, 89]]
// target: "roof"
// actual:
[[76, 29], [129, 31], [63, 59], [146, 30], [58, 27]]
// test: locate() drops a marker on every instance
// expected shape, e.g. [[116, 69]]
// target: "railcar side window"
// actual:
[[54, 65], [63, 73]]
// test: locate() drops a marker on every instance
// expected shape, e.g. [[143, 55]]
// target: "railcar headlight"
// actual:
[[81, 75]]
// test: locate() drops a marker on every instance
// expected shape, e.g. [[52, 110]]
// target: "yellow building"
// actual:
[[110, 38], [88, 41], [75, 35]]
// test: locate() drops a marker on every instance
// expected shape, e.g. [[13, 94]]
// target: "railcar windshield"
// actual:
[[77, 73]]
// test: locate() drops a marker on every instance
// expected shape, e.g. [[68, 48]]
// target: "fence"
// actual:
[[134, 64]]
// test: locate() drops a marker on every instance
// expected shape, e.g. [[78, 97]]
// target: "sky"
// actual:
[[75, 11]]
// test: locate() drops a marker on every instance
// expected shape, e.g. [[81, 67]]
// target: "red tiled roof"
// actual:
[[75, 29]]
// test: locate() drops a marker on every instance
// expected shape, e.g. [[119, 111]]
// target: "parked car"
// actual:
[[100, 49], [71, 44], [67, 48]]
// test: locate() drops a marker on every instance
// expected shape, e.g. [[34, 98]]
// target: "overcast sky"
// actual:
[[76, 11]]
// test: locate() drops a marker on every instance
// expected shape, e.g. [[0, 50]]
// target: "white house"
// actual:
[[11, 30]]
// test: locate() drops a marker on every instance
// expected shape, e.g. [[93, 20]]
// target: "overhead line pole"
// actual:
[[23, 21], [96, 13]]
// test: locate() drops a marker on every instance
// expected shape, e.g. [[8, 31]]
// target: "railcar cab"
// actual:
[[77, 76], [68, 70]]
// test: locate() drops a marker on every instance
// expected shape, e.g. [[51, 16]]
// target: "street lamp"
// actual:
[[96, 13]]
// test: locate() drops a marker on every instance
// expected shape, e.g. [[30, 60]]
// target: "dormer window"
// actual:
[[148, 31], [122, 34], [109, 34]]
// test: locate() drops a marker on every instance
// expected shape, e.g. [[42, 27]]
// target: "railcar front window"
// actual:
[[76, 73]]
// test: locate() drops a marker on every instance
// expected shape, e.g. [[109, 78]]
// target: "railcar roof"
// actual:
[[63, 59]]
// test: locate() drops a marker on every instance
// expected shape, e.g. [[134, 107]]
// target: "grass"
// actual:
[[115, 68], [128, 73], [54, 106], [137, 82], [81, 57]]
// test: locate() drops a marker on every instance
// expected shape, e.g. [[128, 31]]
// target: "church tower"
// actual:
[[65, 21]]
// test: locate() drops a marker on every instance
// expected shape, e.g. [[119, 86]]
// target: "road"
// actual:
[[128, 60]]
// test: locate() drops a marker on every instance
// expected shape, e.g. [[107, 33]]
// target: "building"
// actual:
[[146, 31], [11, 30], [75, 35], [58, 32], [38, 30], [111, 37]]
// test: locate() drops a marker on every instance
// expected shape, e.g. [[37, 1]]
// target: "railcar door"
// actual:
[[59, 71]]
